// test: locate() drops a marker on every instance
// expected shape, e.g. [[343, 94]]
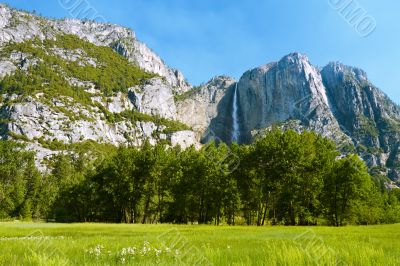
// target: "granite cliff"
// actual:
[[65, 82], [337, 101]]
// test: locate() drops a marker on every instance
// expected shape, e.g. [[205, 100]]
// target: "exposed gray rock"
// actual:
[[6, 68], [201, 107], [22, 61], [338, 101], [41, 155], [5, 16], [17, 26], [39, 120], [118, 103], [155, 98], [36, 121], [77, 55], [184, 139], [364, 112], [142, 56], [89, 86], [291, 89]]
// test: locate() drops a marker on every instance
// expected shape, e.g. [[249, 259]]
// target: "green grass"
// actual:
[[75, 244]]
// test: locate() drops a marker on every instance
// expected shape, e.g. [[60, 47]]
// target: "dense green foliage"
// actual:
[[48, 70], [169, 124], [130, 244], [21, 193], [283, 178]]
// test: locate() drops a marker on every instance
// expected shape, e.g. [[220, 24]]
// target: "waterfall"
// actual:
[[235, 118]]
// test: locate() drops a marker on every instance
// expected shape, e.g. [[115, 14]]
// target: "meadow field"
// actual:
[[123, 244]]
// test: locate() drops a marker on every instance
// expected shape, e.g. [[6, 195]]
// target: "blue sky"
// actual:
[[212, 37]]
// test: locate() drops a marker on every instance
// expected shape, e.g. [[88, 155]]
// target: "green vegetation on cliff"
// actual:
[[48, 70], [49, 65]]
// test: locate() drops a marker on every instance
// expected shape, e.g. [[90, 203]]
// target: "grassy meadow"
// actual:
[[110, 244]]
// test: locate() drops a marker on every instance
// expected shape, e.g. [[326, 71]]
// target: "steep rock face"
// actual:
[[203, 105], [47, 120], [37, 122], [338, 102], [365, 113], [124, 42], [221, 126], [154, 98], [291, 89], [34, 120], [17, 26], [139, 54], [184, 139]]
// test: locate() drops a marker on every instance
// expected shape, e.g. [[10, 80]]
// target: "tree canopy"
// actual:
[[283, 178]]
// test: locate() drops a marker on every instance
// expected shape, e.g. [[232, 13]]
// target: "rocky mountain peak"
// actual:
[[5, 15], [294, 58], [81, 103], [54, 94], [337, 101], [18, 26], [339, 71], [103, 34], [220, 82], [291, 89]]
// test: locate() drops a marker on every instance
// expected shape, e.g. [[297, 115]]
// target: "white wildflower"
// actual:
[[158, 252], [131, 250], [123, 252], [96, 251], [145, 249]]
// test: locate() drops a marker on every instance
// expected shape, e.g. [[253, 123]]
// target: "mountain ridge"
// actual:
[[157, 103], [351, 111]]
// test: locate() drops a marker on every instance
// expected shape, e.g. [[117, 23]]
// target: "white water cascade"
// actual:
[[235, 118]]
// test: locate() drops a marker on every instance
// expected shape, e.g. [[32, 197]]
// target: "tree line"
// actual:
[[283, 178]]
